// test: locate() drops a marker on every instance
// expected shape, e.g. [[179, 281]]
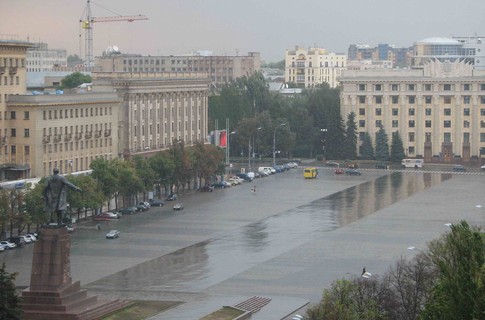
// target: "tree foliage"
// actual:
[[10, 308], [397, 149], [367, 150], [382, 145], [350, 145], [74, 80]]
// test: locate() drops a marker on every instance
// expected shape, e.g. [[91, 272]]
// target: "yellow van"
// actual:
[[310, 173]]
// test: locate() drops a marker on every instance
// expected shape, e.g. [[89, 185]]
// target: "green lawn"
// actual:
[[140, 310], [226, 313]]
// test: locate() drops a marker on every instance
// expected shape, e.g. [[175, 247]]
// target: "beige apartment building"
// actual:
[[63, 131], [219, 69], [314, 66], [439, 111]]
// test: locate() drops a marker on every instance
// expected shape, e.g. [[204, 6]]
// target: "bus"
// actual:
[[310, 173], [412, 163]]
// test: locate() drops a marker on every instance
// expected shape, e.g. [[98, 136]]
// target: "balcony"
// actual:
[[3, 140], [46, 139], [2, 70], [57, 138], [68, 137], [13, 70], [107, 133], [78, 136], [88, 135], [98, 134]]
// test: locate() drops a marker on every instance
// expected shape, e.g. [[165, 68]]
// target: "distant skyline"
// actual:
[[229, 27]]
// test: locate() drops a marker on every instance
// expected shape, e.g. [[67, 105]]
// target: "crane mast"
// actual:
[[87, 24]]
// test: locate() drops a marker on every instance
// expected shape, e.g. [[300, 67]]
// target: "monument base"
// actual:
[[52, 295]]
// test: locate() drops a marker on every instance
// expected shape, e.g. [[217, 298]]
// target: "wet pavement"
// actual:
[[287, 242]]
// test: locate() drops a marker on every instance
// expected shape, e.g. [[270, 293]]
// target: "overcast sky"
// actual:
[[231, 27]]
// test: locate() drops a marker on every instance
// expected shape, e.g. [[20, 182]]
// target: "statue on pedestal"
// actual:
[[55, 195]]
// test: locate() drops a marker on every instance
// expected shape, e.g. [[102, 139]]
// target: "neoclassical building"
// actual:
[[314, 66], [439, 111]]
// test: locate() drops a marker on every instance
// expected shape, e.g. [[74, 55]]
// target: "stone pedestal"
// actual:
[[52, 295]]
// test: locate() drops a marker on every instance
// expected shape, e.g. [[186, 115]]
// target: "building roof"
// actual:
[[437, 40]]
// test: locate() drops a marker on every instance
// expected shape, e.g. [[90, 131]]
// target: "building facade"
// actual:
[[311, 67], [219, 69], [63, 131], [13, 75], [399, 57], [439, 111], [157, 110]]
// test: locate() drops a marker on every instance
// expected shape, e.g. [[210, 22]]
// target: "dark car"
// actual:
[[172, 197], [244, 176], [353, 172], [157, 203], [206, 189], [128, 210], [459, 168], [141, 208], [218, 185], [19, 241]]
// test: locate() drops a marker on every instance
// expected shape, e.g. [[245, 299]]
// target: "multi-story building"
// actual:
[[63, 131], [439, 111], [12, 82], [158, 110], [400, 57], [314, 66], [468, 49], [220, 69]]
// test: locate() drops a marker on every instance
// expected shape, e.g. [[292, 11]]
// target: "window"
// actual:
[[26, 115], [395, 99], [427, 87], [395, 111], [428, 99], [411, 136], [361, 87], [482, 99], [411, 111], [466, 111], [12, 115], [482, 86], [411, 150], [411, 123], [466, 124], [27, 150], [411, 99], [466, 99], [411, 87], [361, 123], [447, 112], [13, 132], [13, 149], [362, 111], [378, 99], [395, 123], [447, 87], [447, 137], [394, 87], [378, 123], [466, 87], [482, 112], [427, 123], [466, 137], [482, 137], [447, 123], [447, 99], [26, 133], [378, 111], [378, 87]]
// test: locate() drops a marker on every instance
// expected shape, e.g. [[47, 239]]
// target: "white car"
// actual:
[[113, 215], [482, 168], [8, 245], [113, 234], [31, 237], [26, 239], [226, 184], [233, 181]]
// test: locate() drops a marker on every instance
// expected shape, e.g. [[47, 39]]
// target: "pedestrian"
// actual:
[[98, 226]]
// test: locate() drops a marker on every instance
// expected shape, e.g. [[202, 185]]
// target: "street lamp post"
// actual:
[[249, 144], [324, 131], [274, 143]]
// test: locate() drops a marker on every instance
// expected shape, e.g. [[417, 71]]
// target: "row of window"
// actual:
[[412, 111], [78, 145], [446, 137], [158, 62], [9, 81], [12, 62], [150, 127], [76, 113], [412, 99], [412, 124], [423, 87]]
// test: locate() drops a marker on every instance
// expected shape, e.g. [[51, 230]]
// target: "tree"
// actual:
[[145, 172], [73, 60], [163, 165], [75, 79], [397, 149], [367, 150], [459, 257], [350, 145], [10, 308], [382, 145], [104, 172]]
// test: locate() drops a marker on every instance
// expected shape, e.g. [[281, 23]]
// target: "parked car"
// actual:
[[178, 206], [128, 210], [172, 197], [112, 234], [7, 244], [459, 168], [157, 203], [245, 177], [482, 168], [70, 228], [352, 172], [339, 171], [227, 184], [105, 216], [146, 204], [113, 215], [141, 208], [27, 240], [2, 248], [233, 182], [218, 185], [207, 189], [19, 241], [31, 237]]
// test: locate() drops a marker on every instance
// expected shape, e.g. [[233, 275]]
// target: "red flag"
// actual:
[[222, 139]]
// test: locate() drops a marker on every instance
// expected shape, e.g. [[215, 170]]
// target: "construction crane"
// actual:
[[87, 24]]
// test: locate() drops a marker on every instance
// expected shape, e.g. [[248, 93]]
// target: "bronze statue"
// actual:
[[55, 195]]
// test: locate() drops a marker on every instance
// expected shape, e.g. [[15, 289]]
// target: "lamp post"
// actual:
[[324, 131], [249, 153], [274, 143], [228, 153]]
